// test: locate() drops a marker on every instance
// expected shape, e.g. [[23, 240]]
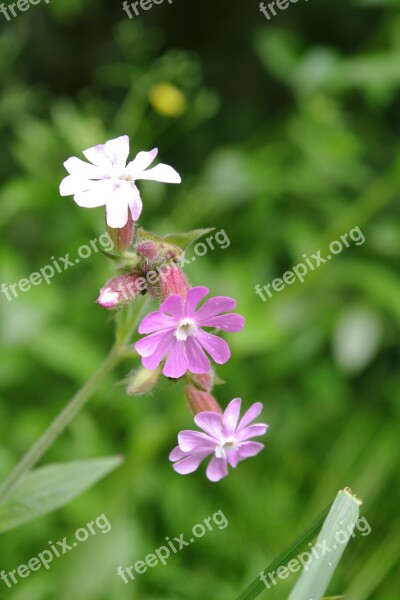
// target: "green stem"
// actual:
[[64, 418]]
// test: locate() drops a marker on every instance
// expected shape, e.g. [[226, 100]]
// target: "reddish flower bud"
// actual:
[[122, 238], [120, 290], [203, 382], [149, 250], [200, 401], [170, 280]]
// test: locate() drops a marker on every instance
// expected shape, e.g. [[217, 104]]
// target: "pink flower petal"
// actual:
[[156, 321], [248, 449], [231, 416], [231, 322], [251, 431], [97, 195], [216, 347], [173, 305], [252, 413], [217, 469], [141, 161], [215, 306], [162, 173], [166, 343], [232, 457], [195, 440], [177, 454], [189, 463], [176, 364], [79, 168], [135, 203], [198, 361], [211, 423], [193, 297], [148, 345]]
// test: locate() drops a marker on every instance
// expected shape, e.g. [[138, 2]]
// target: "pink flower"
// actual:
[[223, 438], [108, 181], [176, 331]]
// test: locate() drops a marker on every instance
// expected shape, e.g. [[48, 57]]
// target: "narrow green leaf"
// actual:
[[344, 512], [329, 548], [50, 487], [183, 240]]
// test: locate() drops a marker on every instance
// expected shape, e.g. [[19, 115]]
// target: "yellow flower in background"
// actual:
[[167, 100]]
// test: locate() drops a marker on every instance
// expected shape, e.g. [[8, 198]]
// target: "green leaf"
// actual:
[[342, 517], [50, 487], [183, 240], [344, 510]]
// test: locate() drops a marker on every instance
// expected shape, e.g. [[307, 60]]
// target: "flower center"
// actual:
[[220, 451], [185, 328]]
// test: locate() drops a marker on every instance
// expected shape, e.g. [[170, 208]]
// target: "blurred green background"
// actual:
[[286, 135]]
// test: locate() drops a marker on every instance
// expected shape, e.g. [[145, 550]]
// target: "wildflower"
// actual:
[[222, 438], [108, 181], [120, 290], [176, 331]]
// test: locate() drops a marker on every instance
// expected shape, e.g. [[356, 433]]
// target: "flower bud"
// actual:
[[204, 382], [121, 289], [122, 238], [148, 250], [171, 280], [142, 381], [200, 401]]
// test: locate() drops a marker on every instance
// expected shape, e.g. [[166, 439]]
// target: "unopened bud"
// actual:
[[148, 250], [122, 238], [120, 290], [200, 401], [172, 280], [203, 382], [142, 381]]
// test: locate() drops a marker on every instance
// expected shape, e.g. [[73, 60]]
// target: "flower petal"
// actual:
[[189, 463], [198, 361], [232, 322], [193, 297], [162, 173], [173, 305], [117, 206], [252, 431], [217, 469], [151, 362], [231, 416], [71, 185], [141, 161], [177, 454], [156, 321], [135, 202], [177, 363], [195, 440], [216, 347], [97, 195], [148, 345], [79, 168], [215, 306], [252, 413], [248, 449], [211, 423], [117, 151]]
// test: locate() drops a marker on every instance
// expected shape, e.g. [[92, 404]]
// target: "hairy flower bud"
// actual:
[[171, 280], [200, 401], [122, 238], [120, 290], [148, 250], [142, 381]]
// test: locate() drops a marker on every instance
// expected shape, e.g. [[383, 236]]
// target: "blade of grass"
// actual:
[[258, 586], [328, 548]]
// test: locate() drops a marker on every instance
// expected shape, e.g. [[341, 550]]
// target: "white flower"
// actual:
[[108, 181]]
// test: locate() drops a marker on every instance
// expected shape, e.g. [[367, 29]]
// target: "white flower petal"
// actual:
[[162, 173], [141, 162], [117, 151], [79, 168], [135, 202], [117, 206], [97, 195], [71, 185]]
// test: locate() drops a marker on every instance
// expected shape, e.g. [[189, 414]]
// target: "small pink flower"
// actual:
[[227, 441], [108, 181], [176, 331]]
